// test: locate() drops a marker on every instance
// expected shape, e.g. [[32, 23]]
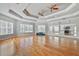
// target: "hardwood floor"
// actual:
[[45, 46]]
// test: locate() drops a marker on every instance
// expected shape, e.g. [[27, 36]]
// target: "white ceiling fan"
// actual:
[[41, 13], [27, 13]]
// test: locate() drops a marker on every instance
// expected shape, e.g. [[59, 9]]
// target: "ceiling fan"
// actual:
[[26, 12], [41, 13], [14, 13], [54, 8]]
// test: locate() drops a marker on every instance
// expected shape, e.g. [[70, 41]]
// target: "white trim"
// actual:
[[25, 15], [14, 17], [70, 15]]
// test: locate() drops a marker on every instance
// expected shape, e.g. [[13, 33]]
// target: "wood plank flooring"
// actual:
[[45, 46]]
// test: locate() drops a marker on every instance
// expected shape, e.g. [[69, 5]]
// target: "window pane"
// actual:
[[41, 28], [6, 27], [50, 29], [56, 29], [26, 28]]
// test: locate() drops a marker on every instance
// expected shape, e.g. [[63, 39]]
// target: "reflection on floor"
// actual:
[[44, 46]]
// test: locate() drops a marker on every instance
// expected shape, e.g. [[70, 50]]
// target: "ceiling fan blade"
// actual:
[[14, 13], [40, 14], [26, 12]]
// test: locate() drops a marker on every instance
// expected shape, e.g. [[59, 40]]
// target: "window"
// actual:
[[72, 29], [75, 30], [50, 29], [26, 28], [41, 28], [56, 29], [62, 29], [9, 28], [30, 28], [6, 27]]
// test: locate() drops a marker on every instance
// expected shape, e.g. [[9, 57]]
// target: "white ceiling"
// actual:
[[34, 8]]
